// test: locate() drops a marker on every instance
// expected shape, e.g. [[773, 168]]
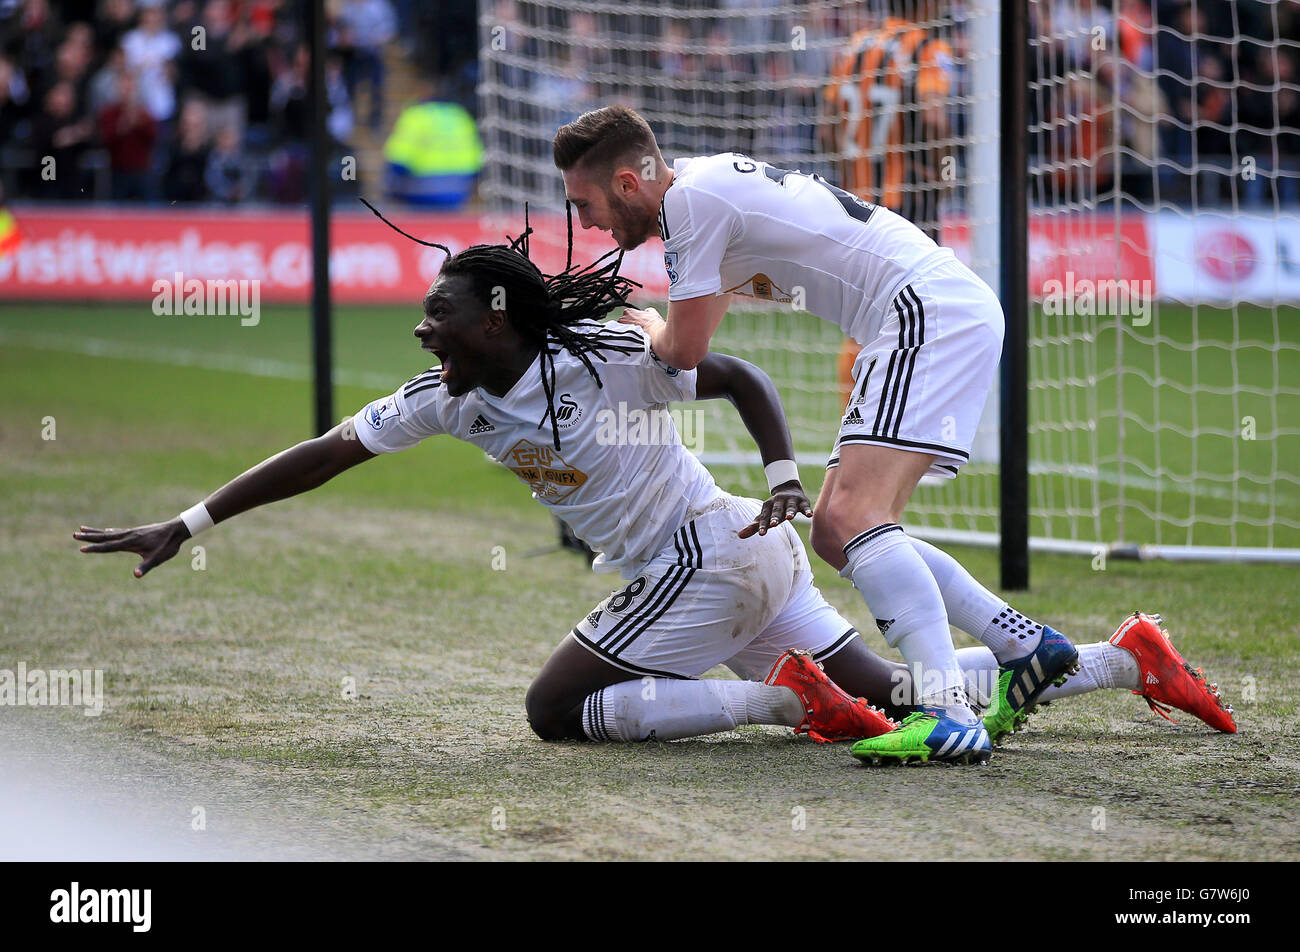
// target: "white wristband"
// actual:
[[196, 519], [780, 471]]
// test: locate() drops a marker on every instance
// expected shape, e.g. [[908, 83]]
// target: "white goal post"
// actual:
[[1163, 237]]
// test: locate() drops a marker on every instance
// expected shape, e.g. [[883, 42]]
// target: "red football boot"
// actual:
[[1166, 679], [831, 714]]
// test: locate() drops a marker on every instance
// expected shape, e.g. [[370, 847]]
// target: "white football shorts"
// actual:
[[921, 385], [711, 598]]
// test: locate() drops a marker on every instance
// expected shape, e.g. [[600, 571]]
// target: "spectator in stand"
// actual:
[[1288, 125], [255, 66], [1214, 121], [1176, 54], [33, 37], [72, 62], [563, 91], [129, 132], [1135, 33], [216, 72], [338, 122], [62, 134], [14, 100], [289, 106], [116, 19], [365, 26], [1143, 103], [722, 69], [290, 115], [229, 177], [151, 50], [187, 165], [105, 85]]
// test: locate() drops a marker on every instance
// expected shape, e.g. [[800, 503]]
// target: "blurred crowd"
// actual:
[[1206, 97], [183, 101], [1169, 101], [1157, 100]]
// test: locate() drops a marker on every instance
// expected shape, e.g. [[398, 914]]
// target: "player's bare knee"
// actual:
[[545, 712], [548, 729], [824, 540], [537, 707], [846, 516]]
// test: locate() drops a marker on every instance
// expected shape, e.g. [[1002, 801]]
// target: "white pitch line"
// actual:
[[1202, 490], [287, 370], [184, 357]]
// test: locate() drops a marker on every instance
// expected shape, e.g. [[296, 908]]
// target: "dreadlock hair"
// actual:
[[543, 309]]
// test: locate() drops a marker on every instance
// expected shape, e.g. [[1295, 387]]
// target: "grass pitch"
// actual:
[[235, 673]]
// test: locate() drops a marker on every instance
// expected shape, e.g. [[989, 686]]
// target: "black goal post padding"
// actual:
[[318, 174], [1013, 467]]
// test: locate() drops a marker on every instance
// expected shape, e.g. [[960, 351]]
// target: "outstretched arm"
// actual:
[[295, 470], [759, 404]]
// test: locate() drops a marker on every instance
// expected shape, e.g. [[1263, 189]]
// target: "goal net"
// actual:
[[1164, 234], [1164, 266]]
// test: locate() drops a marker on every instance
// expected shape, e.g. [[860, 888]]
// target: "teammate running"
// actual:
[[535, 384], [931, 334]]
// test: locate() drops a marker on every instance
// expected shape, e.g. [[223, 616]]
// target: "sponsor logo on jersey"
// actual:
[[544, 470], [377, 413], [567, 412], [480, 425], [761, 286], [670, 265]]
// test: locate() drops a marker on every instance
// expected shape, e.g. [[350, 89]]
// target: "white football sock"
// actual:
[[1101, 665], [670, 709], [980, 669], [977, 611], [908, 607], [1011, 635]]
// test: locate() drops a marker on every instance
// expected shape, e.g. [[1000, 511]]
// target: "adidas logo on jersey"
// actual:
[[853, 416], [480, 425], [1152, 679], [594, 618], [884, 624]]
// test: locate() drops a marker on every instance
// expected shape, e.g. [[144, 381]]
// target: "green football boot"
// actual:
[[927, 734]]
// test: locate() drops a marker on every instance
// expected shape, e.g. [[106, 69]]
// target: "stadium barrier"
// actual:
[[74, 253]]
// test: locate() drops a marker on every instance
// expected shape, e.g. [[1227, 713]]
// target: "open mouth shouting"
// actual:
[[447, 372]]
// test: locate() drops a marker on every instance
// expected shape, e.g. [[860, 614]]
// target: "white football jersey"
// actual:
[[621, 479], [734, 224]]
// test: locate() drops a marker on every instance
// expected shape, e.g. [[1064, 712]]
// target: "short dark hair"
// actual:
[[602, 138]]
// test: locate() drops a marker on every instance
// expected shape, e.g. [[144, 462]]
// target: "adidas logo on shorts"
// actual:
[[853, 416], [480, 425]]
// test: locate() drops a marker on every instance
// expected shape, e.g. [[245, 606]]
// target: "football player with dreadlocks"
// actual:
[[530, 375]]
